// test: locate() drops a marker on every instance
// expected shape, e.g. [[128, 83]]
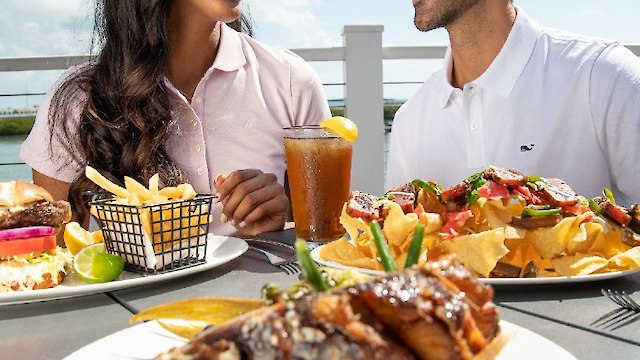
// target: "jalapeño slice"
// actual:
[[539, 210]]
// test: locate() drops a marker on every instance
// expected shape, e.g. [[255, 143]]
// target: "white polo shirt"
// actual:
[[551, 104]]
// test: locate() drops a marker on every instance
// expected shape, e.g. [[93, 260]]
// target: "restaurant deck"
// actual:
[[562, 312]]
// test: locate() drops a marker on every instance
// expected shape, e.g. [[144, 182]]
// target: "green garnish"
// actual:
[[383, 248], [539, 210], [415, 246], [309, 267], [536, 182], [608, 195], [429, 186], [476, 181]]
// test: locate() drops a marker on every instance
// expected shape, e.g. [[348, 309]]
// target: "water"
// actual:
[[9, 150]]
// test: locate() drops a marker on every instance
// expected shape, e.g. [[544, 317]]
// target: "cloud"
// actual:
[[292, 23], [44, 27], [589, 13]]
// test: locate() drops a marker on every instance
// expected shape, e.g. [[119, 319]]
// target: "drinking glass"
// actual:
[[319, 171]]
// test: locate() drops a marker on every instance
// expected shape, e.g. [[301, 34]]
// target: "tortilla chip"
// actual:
[[627, 260], [552, 241], [353, 226], [480, 252], [399, 227], [498, 213], [432, 222], [343, 252], [520, 252], [578, 264]]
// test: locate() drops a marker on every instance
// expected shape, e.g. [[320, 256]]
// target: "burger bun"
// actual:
[[19, 192]]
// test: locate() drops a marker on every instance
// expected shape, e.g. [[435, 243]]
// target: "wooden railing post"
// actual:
[[364, 104]]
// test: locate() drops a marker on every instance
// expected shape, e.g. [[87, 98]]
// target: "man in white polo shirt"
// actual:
[[517, 95]]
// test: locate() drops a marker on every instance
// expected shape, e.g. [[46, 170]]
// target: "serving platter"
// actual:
[[148, 340], [494, 281], [220, 250]]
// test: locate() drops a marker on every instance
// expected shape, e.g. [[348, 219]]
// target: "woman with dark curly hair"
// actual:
[[181, 89]]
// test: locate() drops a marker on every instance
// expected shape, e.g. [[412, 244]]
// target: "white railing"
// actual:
[[362, 54]]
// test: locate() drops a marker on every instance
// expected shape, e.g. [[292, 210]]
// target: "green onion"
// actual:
[[309, 267], [430, 186], [609, 195], [595, 207], [387, 196], [536, 182], [383, 248], [415, 247], [543, 210]]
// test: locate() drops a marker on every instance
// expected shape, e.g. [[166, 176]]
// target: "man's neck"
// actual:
[[477, 37]]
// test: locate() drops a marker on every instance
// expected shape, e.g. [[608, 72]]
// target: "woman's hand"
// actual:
[[253, 201]]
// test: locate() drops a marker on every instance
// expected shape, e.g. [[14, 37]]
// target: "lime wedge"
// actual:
[[94, 265]]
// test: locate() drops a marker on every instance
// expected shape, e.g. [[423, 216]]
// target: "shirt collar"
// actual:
[[230, 55], [506, 68], [447, 88]]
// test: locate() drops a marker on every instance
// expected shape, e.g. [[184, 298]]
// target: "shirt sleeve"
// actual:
[[310, 104], [615, 99], [397, 172], [55, 153]]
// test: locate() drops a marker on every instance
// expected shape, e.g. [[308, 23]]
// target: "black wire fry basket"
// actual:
[[155, 238]]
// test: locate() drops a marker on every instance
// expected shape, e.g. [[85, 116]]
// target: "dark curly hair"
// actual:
[[123, 125]]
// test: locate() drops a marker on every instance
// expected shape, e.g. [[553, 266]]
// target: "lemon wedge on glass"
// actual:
[[341, 126], [94, 265]]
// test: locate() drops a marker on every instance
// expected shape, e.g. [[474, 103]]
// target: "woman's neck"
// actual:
[[477, 38], [193, 48]]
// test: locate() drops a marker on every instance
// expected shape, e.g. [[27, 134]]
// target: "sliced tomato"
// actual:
[[27, 245]]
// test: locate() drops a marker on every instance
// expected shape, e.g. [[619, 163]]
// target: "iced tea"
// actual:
[[319, 168]]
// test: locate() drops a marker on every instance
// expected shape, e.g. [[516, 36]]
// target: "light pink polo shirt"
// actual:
[[234, 120]]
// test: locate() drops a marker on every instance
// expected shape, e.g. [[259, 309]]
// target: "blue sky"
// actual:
[[63, 27]]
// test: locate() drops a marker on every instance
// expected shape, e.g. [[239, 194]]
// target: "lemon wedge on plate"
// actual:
[[76, 237], [94, 265], [341, 126]]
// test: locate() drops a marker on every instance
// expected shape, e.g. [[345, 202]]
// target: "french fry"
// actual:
[[153, 185], [135, 187], [172, 192], [188, 192], [93, 175], [167, 226]]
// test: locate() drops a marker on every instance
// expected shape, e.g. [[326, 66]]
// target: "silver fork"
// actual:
[[628, 312], [270, 242], [622, 299], [289, 266]]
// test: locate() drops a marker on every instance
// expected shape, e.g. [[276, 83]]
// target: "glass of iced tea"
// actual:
[[319, 171]]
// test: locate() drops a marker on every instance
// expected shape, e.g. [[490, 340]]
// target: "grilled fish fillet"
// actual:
[[438, 311]]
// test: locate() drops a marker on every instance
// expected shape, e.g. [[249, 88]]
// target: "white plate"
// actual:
[[494, 281], [148, 340], [220, 250]]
